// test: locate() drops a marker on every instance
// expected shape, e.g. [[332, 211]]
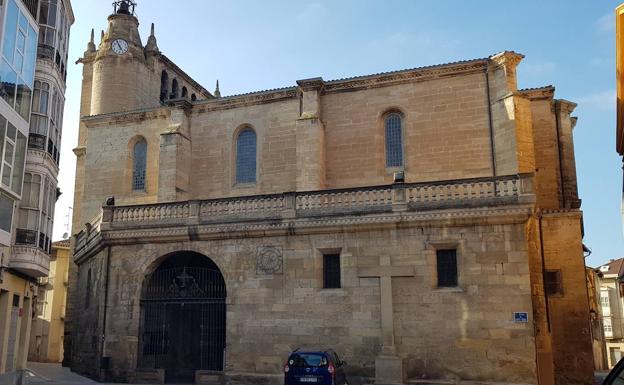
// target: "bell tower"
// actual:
[[122, 79]]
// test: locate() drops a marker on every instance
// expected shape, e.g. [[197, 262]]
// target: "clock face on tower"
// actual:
[[120, 46]]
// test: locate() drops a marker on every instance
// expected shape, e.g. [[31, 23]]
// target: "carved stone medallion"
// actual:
[[269, 260]]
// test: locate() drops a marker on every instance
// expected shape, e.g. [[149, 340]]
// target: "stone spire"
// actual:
[[152, 45], [91, 45], [217, 93]]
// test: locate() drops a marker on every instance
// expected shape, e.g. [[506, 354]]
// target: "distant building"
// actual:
[[610, 287], [46, 342], [596, 319]]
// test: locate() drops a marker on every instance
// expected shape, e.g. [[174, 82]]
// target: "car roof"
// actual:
[[312, 349]]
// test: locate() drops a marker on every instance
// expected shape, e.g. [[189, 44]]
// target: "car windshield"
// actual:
[[302, 360]]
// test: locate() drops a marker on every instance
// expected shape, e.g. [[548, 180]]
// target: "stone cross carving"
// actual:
[[388, 367]]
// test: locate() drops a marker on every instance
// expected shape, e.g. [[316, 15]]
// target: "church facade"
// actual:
[[424, 223]]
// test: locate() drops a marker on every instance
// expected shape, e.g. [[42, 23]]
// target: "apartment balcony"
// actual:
[[30, 260], [284, 213]]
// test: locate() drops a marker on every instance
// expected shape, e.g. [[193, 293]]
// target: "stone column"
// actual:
[[310, 137]]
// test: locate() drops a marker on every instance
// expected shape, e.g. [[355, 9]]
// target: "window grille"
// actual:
[[246, 156], [140, 162], [447, 268], [394, 140], [552, 282], [331, 271]]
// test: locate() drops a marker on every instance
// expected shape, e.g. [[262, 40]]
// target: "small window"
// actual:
[[140, 162], [447, 268], [174, 89], [246, 156], [331, 271], [394, 140], [164, 86], [184, 92], [552, 282], [604, 298], [193, 97], [88, 291], [16, 300]]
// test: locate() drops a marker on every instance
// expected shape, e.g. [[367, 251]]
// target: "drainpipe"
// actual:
[[491, 123], [541, 236], [104, 317]]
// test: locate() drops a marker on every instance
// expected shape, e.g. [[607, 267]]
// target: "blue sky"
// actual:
[[255, 45]]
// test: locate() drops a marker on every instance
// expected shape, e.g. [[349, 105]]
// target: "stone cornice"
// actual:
[[406, 76], [136, 116], [565, 106], [542, 93], [246, 100], [305, 226]]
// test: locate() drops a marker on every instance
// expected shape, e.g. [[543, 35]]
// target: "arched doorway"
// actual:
[[183, 317]]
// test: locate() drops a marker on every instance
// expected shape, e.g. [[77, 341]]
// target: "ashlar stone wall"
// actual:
[[460, 333]]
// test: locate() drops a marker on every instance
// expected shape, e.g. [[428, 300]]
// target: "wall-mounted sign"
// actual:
[[521, 317]]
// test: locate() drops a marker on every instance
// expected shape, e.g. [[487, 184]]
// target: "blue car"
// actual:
[[314, 366]]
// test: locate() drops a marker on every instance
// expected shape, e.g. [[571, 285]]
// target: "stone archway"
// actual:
[[183, 315]]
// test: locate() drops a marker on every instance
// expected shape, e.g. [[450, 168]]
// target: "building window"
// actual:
[[331, 271], [164, 86], [608, 327], [19, 54], [604, 299], [29, 212], [193, 97], [12, 156], [174, 89], [88, 291], [394, 140], [6, 213], [140, 163], [184, 92], [552, 282], [246, 156], [447, 268]]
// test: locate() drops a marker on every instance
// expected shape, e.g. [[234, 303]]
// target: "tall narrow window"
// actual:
[[184, 92], [174, 89], [140, 162], [331, 271], [394, 140], [552, 282], [88, 291], [164, 86], [447, 268], [246, 156]]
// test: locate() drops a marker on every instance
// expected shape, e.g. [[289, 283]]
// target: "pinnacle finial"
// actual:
[[152, 44], [102, 35], [217, 92], [91, 45], [152, 32]]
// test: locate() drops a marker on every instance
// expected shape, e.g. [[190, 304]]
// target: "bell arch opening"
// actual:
[[183, 315]]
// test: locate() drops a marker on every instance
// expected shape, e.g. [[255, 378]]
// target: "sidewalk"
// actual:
[[54, 374]]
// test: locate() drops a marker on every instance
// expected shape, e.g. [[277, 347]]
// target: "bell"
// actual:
[[124, 8]]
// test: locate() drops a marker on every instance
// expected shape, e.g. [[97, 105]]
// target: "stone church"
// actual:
[[423, 223]]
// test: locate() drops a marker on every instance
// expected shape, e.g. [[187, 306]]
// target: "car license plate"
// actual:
[[307, 379]]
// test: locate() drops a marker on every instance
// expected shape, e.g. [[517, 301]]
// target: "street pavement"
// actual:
[[55, 374]]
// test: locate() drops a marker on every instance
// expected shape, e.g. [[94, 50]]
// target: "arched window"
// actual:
[[393, 124], [140, 162], [184, 92], [164, 86], [174, 89], [193, 97], [246, 156]]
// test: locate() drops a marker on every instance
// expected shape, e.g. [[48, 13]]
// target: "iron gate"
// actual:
[[183, 321]]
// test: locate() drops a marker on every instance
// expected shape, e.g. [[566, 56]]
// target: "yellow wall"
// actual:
[[14, 285], [48, 328]]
